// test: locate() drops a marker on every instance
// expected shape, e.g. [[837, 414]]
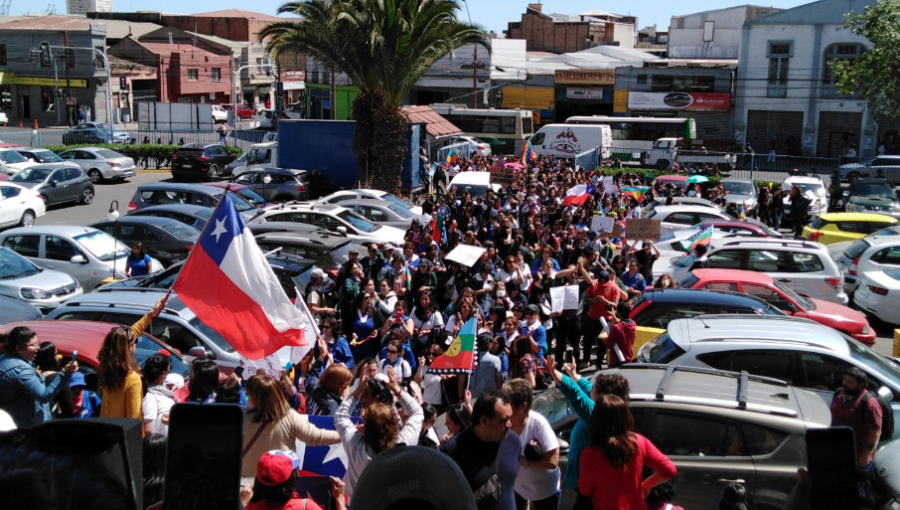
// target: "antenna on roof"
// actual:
[[195, 35]]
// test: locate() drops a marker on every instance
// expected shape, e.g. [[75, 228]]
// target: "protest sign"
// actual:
[[602, 224], [564, 298], [641, 228], [504, 176], [465, 254]]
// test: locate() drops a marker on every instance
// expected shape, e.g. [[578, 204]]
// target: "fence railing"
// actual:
[[463, 150], [44, 137]]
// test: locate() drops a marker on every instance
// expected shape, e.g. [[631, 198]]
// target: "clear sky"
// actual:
[[492, 14]]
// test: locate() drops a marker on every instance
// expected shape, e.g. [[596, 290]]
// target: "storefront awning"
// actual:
[[294, 85]]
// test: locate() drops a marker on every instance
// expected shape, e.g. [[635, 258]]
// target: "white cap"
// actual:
[[176, 380]]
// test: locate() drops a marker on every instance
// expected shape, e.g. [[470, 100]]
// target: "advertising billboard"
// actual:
[[695, 101]]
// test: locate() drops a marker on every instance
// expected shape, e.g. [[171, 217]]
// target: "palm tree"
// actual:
[[385, 47]]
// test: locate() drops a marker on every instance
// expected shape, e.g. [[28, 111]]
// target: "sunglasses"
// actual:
[[391, 351]]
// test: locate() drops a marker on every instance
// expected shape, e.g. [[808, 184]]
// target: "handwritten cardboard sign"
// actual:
[[642, 228], [504, 176]]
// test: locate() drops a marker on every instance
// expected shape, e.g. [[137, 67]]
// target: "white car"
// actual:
[[480, 147], [101, 164], [333, 218], [364, 194], [877, 294], [11, 162], [3, 118], [219, 114], [871, 253], [45, 157], [813, 188], [19, 206], [382, 212], [681, 217]]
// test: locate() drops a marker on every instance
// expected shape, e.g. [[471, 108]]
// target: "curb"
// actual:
[[148, 171]]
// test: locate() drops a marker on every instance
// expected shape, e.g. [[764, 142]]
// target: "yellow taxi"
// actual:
[[831, 228]]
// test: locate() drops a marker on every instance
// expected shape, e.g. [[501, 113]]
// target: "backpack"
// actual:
[[887, 414]]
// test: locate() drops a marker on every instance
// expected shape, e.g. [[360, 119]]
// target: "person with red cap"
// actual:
[[276, 477]]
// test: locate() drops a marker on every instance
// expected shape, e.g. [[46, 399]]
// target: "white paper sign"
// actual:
[[602, 223], [608, 183], [564, 298], [465, 254]]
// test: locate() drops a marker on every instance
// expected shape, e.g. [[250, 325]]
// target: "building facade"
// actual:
[[786, 96], [83, 7], [712, 34], [561, 33]]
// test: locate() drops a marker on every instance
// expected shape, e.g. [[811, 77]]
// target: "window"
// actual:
[[216, 74], [856, 227], [779, 63], [730, 287], [642, 79], [132, 233], [727, 259], [3, 59], [193, 74], [48, 99], [835, 52], [73, 173], [767, 261], [763, 440], [890, 256], [26, 246], [823, 372], [806, 263], [668, 83], [9, 192], [769, 296], [770, 363], [683, 218], [175, 335], [537, 139], [695, 435], [59, 249]]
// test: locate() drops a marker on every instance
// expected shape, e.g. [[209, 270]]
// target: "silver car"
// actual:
[[44, 157], [101, 164], [383, 212], [742, 192], [89, 255], [23, 280]]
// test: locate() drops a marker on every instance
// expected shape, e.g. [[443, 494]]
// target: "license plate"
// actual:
[[185, 166]]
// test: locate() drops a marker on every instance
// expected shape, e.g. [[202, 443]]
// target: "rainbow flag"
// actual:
[[636, 192], [451, 157], [460, 356], [407, 278], [528, 154], [702, 237]]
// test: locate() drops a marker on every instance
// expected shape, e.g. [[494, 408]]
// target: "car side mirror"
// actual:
[[886, 393], [78, 259], [53, 183], [267, 179], [31, 159], [342, 230], [197, 352]]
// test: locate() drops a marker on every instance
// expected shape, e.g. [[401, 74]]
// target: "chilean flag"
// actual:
[[227, 282], [577, 195]]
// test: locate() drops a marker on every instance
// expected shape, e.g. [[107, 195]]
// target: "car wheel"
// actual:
[[27, 219], [213, 171], [87, 196], [96, 176]]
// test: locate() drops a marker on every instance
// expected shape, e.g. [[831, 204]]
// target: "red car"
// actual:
[[243, 111], [839, 317], [87, 337], [738, 228]]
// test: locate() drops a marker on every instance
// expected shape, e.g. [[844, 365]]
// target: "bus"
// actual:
[[500, 129], [641, 132]]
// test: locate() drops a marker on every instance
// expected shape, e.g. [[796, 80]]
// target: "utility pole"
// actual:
[[68, 83], [475, 79]]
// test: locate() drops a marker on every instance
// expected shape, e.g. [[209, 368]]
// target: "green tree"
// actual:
[[873, 75], [385, 47]]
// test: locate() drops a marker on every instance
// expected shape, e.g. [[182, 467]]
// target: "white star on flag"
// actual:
[[220, 229]]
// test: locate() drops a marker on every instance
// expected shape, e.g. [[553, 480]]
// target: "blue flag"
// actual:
[[323, 460]]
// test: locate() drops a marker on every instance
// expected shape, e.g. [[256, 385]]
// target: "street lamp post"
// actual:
[[113, 215], [474, 64], [109, 118], [234, 78]]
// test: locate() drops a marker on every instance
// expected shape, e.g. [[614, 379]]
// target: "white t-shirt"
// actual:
[[535, 484], [431, 387], [402, 369], [435, 321], [156, 403]]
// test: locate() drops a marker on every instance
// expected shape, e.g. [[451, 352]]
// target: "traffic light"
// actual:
[[123, 83], [46, 56]]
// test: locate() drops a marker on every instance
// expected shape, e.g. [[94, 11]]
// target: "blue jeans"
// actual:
[[551, 503]]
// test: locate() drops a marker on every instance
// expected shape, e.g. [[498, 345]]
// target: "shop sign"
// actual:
[[585, 76], [320, 93], [584, 93], [47, 82], [293, 75], [695, 101]]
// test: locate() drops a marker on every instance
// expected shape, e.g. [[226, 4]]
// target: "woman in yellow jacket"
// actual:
[[120, 377]]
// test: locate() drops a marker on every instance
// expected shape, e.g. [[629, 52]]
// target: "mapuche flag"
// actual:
[[460, 356]]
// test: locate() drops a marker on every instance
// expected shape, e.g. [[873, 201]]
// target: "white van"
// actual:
[[263, 154], [476, 183], [568, 140]]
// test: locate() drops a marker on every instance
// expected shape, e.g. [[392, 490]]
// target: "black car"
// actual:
[[871, 195], [329, 252], [196, 216], [656, 308], [166, 239], [276, 184], [196, 161]]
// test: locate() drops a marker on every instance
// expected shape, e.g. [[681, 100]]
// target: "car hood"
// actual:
[[46, 279], [872, 201], [21, 165], [61, 164], [833, 314], [739, 199]]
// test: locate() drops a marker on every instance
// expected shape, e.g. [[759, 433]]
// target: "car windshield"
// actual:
[[872, 189], [687, 281], [251, 196], [108, 154], [358, 221], [403, 212], [147, 346], [738, 187], [885, 367], [12, 157], [240, 203], [46, 157], [391, 198], [341, 254], [211, 334], [13, 265], [893, 273], [816, 187], [103, 246], [804, 302], [31, 175], [180, 230]]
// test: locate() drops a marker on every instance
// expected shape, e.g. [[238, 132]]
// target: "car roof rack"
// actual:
[[772, 241]]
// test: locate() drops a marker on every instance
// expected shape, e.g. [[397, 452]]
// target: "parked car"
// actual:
[[22, 279], [219, 114], [680, 217], [276, 184], [742, 192], [871, 253], [11, 162], [361, 194], [295, 110], [739, 228], [839, 227], [94, 133], [876, 294], [382, 212], [14, 310], [656, 308], [813, 188], [44, 157], [264, 119], [888, 165], [243, 111], [57, 185], [230, 168], [714, 425], [480, 147], [329, 252], [165, 239], [777, 294], [101, 164], [805, 267], [196, 216], [166, 193], [86, 337], [245, 192], [86, 253], [673, 247], [648, 205], [200, 161], [334, 219], [679, 181], [872, 195], [19, 205], [798, 351]]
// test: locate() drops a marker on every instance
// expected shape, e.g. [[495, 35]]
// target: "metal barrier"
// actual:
[[45, 137], [588, 159], [463, 150]]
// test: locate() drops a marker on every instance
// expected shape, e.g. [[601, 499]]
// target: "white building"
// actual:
[[786, 99], [86, 6], [712, 34]]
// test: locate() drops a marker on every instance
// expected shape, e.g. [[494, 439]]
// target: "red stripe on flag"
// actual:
[[224, 307]]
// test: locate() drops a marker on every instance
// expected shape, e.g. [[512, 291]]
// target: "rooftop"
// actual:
[[55, 23], [237, 13], [168, 49], [437, 126]]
